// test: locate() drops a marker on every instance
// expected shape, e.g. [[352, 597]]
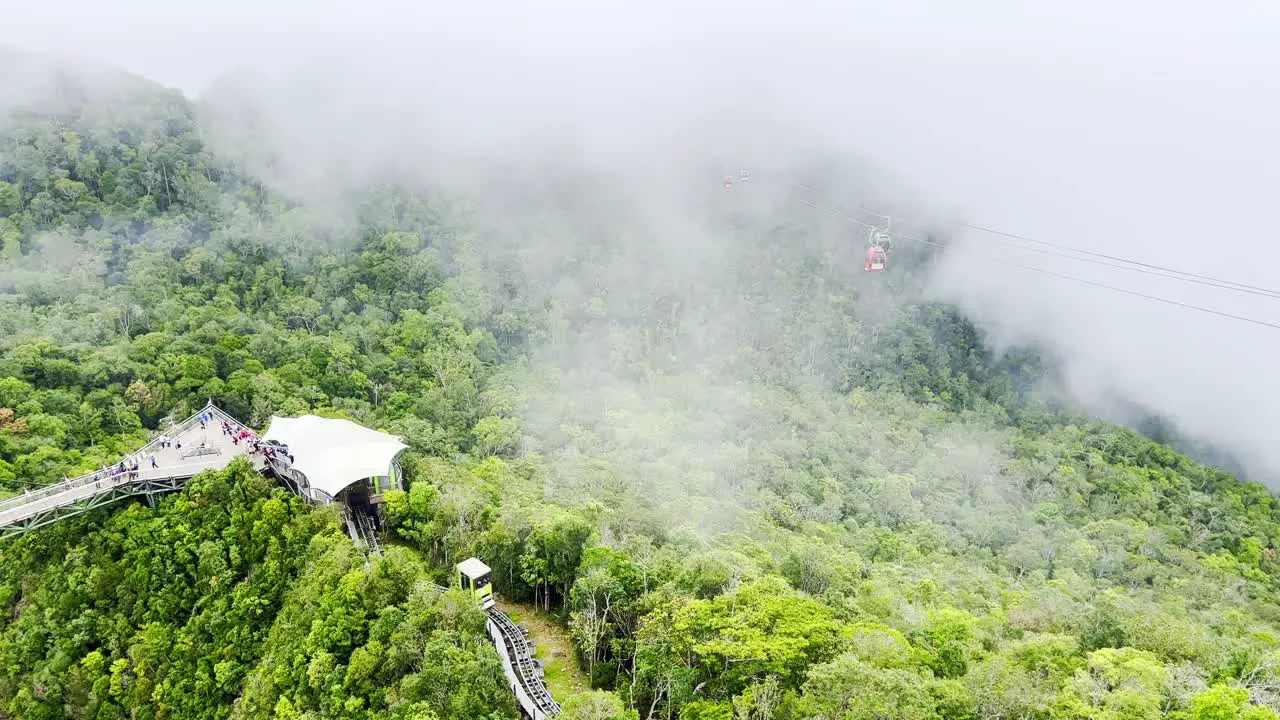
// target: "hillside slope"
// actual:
[[753, 481]]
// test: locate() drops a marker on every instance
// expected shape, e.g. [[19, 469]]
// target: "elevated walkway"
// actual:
[[193, 450]]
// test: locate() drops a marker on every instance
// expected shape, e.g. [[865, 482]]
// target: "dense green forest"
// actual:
[[753, 483]]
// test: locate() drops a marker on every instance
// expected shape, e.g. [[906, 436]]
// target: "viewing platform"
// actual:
[[192, 449]]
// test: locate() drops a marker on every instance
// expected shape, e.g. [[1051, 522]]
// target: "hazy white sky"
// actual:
[[1141, 128], [1094, 104]]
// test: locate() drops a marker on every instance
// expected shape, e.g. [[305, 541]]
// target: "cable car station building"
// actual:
[[327, 460]]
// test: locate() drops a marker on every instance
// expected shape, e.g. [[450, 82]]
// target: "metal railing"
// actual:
[[283, 468]]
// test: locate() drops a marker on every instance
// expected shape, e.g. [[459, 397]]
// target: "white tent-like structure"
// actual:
[[335, 454]]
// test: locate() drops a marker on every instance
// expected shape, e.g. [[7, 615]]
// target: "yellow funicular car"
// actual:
[[474, 576]]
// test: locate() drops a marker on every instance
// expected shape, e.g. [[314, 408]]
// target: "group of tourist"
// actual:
[[129, 466], [165, 442], [238, 433], [270, 451]]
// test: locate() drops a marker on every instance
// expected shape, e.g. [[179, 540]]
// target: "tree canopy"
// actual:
[[755, 486]]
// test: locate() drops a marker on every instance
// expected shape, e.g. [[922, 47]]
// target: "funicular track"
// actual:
[[363, 529], [522, 670]]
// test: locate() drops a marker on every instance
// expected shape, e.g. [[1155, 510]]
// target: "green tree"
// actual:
[[1222, 702], [596, 705], [848, 689]]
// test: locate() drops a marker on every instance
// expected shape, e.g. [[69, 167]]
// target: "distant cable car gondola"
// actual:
[[744, 175], [877, 258], [880, 238], [728, 183], [878, 250]]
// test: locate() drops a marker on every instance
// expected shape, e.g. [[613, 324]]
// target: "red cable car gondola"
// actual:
[[877, 258]]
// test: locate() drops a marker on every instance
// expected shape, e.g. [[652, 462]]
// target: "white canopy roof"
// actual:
[[472, 568], [334, 453]]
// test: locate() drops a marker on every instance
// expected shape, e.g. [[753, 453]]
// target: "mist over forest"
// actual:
[[1057, 125], [737, 476]]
